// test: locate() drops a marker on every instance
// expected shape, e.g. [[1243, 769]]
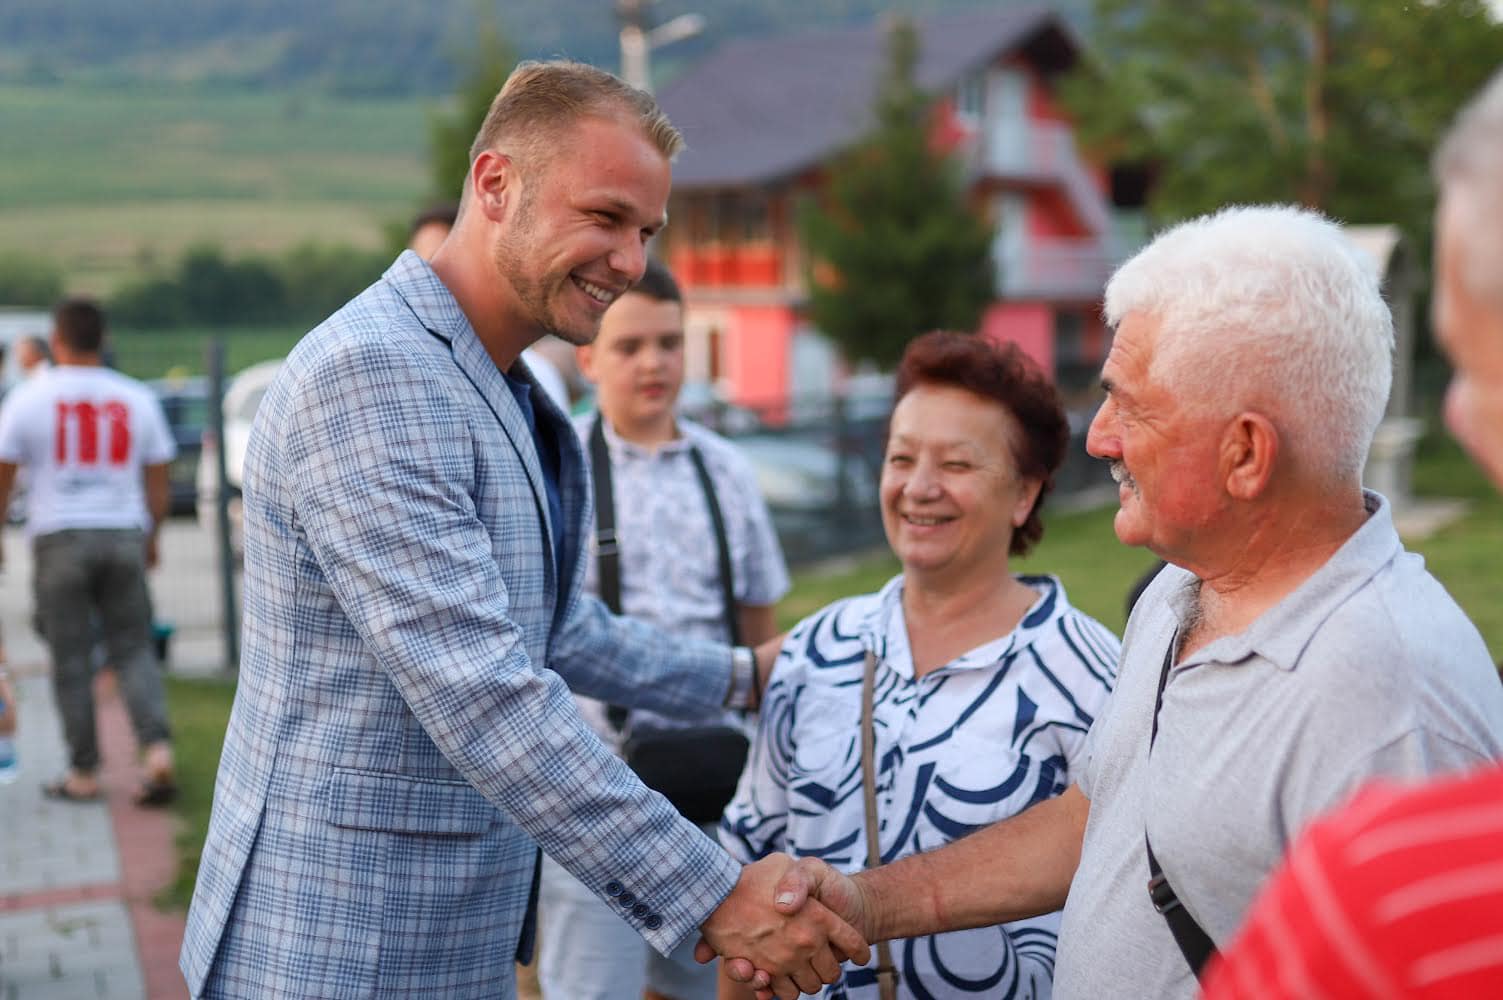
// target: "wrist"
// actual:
[[743, 692]]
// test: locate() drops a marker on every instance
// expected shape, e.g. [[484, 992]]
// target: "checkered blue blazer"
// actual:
[[396, 747]]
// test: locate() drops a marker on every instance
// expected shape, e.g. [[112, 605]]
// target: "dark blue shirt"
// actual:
[[550, 457]]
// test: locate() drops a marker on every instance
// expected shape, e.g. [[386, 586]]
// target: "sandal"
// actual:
[[59, 791], [156, 792]]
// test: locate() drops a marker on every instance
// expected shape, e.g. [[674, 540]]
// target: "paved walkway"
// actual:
[[77, 881]]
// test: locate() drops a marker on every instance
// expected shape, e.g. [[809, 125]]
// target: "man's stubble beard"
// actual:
[[510, 256]]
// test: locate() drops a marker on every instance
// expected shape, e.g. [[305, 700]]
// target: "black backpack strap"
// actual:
[[722, 545], [1194, 943], [607, 549]]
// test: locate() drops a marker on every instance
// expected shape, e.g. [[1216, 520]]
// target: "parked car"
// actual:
[[242, 397], [801, 480], [185, 401]]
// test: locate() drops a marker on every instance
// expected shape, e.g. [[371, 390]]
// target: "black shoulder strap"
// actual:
[[722, 545], [608, 549], [1194, 943]]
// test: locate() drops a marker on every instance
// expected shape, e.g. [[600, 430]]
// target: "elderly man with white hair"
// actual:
[[1291, 649], [1398, 893]]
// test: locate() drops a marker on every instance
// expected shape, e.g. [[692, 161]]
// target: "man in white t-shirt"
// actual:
[[96, 447]]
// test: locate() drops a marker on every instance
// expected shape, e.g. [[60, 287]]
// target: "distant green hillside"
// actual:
[[367, 47], [134, 130], [110, 182]]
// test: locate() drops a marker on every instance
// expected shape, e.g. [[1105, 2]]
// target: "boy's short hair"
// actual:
[[657, 283]]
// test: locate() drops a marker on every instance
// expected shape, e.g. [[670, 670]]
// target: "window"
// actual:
[[970, 97]]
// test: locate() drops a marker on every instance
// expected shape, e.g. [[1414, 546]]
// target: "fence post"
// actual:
[[845, 514], [231, 616]]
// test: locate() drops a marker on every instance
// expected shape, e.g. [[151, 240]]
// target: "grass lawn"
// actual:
[[1079, 548], [182, 351], [200, 710]]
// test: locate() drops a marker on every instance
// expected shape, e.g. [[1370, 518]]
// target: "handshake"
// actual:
[[786, 927]]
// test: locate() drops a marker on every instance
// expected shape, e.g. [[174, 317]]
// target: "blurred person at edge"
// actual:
[[669, 574], [1399, 893], [427, 233], [96, 447], [985, 682], [403, 741], [1290, 651], [32, 356]]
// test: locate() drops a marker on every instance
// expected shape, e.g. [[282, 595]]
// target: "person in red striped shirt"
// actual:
[[1400, 892]]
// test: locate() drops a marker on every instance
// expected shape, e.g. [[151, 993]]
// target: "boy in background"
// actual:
[[669, 576]]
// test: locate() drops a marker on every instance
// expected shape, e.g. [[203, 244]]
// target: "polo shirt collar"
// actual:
[[1281, 634]]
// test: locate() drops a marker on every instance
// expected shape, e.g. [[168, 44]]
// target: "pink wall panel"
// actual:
[[758, 347], [1030, 325]]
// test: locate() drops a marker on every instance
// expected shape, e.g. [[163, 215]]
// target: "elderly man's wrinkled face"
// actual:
[[1469, 329], [1163, 454]]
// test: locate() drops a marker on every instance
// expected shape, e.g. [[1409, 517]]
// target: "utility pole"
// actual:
[[638, 39]]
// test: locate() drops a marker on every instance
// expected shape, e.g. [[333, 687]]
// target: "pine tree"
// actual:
[[896, 250], [450, 133]]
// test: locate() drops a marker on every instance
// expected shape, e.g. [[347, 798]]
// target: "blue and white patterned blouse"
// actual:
[[979, 739]]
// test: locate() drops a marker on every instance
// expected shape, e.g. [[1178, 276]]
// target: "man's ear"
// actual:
[[1249, 452], [494, 184], [584, 356]]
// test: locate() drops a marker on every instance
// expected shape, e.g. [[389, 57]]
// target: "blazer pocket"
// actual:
[[397, 803]]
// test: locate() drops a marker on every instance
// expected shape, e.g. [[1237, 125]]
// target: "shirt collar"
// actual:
[[1282, 633], [884, 630], [619, 446]]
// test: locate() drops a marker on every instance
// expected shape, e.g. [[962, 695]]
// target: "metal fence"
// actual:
[[818, 463]]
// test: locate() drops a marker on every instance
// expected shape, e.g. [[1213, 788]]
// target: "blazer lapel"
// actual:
[[436, 309], [484, 376]]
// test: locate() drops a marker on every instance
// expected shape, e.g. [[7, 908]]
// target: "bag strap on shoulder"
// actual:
[[887, 973], [1194, 943], [608, 548]]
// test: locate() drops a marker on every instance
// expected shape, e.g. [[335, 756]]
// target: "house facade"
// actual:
[[762, 119]]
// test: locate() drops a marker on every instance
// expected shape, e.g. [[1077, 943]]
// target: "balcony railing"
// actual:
[[1043, 151], [1057, 269]]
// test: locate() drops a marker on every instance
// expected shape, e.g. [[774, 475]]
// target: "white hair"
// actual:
[[1268, 306], [1471, 157]]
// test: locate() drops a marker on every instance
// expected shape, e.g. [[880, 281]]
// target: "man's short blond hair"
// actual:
[[541, 99]]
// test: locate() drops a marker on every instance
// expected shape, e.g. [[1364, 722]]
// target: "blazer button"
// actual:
[[613, 888], [640, 910], [653, 922], [626, 899]]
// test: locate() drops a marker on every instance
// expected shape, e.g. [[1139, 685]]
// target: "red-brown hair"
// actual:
[[1004, 374]]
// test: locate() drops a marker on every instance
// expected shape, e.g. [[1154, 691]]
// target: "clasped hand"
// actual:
[[786, 927]]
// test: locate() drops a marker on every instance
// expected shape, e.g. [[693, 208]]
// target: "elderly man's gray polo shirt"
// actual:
[[1369, 668]]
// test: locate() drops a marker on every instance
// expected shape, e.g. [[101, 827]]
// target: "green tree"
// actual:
[[27, 280], [1334, 104], [450, 132], [895, 249]]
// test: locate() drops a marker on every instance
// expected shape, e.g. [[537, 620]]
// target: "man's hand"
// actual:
[[807, 879], [151, 549], [800, 949]]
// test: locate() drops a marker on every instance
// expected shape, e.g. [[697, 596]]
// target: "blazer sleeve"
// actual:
[[380, 456]]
